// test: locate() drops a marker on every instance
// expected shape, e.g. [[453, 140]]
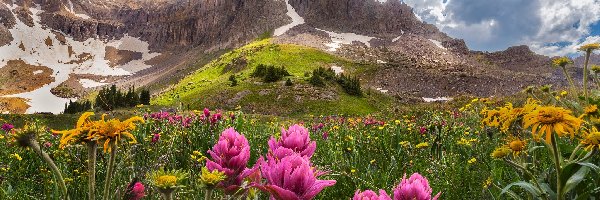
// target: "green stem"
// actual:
[[574, 153], [569, 79], [92, 149], [61, 182], [535, 181], [208, 194], [556, 152], [167, 195], [109, 172], [585, 73]]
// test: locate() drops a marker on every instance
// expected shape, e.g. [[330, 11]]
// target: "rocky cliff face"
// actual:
[[370, 17], [167, 25]]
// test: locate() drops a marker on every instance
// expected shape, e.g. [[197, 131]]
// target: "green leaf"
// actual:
[[590, 165], [546, 188], [526, 186], [532, 149], [576, 178]]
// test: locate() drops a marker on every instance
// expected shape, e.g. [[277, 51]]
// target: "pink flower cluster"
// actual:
[[186, 121], [7, 127], [230, 155], [286, 173], [135, 191], [414, 188]]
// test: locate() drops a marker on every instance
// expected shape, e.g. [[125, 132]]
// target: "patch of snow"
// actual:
[[381, 62], [437, 99], [296, 20], [57, 57], [83, 16], [345, 38], [337, 70], [89, 83], [382, 90], [36, 72], [396, 39], [42, 100], [438, 44]]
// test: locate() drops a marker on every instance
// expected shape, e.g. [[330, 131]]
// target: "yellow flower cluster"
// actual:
[[422, 145], [504, 117], [100, 131], [167, 179], [210, 179]]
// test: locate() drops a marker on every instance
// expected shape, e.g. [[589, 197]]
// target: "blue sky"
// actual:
[[549, 27]]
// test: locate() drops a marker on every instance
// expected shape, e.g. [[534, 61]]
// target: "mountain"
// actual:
[[65, 49]]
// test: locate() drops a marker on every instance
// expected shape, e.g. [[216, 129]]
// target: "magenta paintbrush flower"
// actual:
[[135, 191], [230, 155], [7, 127], [291, 178], [414, 188], [370, 195], [295, 138]]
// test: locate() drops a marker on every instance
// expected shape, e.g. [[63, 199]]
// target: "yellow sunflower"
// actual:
[[591, 139], [500, 152], [589, 110], [516, 145], [83, 126], [108, 132], [491, 118], [546, 119]]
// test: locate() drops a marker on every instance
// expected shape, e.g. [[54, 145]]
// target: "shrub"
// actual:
[[269, 73], [351, 85], [233, 81], [316, 80], [289, 82]]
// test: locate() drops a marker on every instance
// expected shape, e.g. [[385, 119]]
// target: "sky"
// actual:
[[549, 27]]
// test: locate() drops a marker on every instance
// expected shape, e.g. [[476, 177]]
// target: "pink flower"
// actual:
[[135, 191], [295, 138], [47, 144], [414, 188], [422, 130], [155, 138], [206, 112], [291, 178], [370, 195], [325, 135], [7, 127], [230, 155]]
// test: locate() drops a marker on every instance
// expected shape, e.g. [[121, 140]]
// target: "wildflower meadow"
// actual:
[[539, 144]]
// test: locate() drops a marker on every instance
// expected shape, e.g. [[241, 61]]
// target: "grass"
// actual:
[[368, 151], [358, 155], [209, 86]]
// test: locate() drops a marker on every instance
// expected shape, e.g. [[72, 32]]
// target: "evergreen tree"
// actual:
[[145, 97]]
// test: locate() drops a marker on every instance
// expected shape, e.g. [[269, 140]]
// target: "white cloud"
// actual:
[[496, 25]]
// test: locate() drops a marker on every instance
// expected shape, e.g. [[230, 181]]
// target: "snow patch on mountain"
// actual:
[[296, 20], [337, 39], [89, 83], [438, 44], [38, 45]]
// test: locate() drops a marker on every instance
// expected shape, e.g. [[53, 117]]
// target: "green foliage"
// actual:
[[316, 80], [112, 98], [321, 76], [351, 85], [269, 73], [77, 107], [233, 81], [145, 97], [288, 82]]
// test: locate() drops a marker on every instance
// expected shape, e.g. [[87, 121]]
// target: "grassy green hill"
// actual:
[[210, 86]]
